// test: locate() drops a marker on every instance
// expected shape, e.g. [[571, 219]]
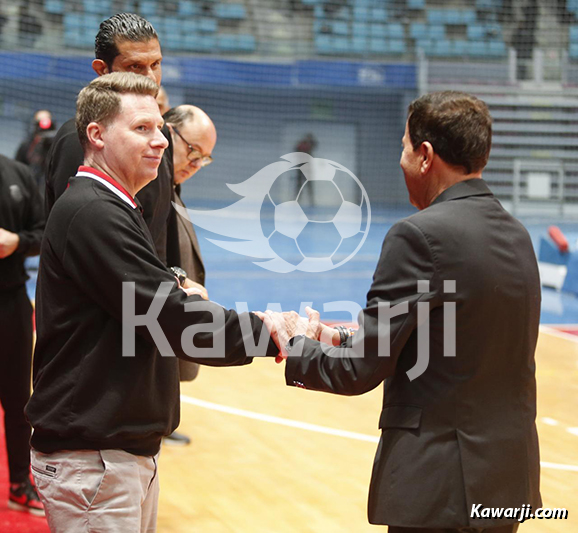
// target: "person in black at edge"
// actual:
[[33, 151], [21, 228], [125, 43], [103, 399]]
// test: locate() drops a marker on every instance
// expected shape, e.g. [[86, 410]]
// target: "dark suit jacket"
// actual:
[[192, 261], [463, 432], [66, 155]]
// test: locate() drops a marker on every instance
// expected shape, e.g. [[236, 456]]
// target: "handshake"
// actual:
[[284, 326]]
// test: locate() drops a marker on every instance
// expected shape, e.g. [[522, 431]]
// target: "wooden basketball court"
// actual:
[[276, 459]]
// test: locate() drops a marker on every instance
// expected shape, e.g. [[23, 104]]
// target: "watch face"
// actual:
[[179, 273]]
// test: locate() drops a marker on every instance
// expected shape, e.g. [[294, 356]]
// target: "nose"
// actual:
[[160, 141], [196, 163]]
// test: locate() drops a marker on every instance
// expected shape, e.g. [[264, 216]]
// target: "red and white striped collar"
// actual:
[[108, 182]]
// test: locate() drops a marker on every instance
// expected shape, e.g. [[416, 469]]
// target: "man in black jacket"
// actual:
[[126, 43], [103, 394], [21, 228], [450, 328]]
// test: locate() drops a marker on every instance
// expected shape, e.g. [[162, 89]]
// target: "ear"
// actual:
[[100, 67], [427, 153], [94, 133]]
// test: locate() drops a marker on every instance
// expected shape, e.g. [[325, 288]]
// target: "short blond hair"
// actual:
[[100, 100]]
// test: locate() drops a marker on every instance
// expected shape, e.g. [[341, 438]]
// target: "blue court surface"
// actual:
[[235, 281]]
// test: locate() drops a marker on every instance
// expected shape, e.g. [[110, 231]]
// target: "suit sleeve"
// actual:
[[101, 257], [364, 363]]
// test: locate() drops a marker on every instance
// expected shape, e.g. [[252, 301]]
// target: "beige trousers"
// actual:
[[106, 491]]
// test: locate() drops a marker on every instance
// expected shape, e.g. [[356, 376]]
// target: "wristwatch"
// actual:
[[180, 274], [292, 341]]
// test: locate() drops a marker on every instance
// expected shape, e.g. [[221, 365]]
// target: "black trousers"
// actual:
[[15, 374], [511, 528]]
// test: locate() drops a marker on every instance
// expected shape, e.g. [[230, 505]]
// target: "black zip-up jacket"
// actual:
[[87, 395], [21, 212]]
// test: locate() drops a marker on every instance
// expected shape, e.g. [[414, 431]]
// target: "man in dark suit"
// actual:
[[459, 283]]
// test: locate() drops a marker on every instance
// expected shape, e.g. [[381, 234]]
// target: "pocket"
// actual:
[[91, 480], [400, 416], [49, 473]]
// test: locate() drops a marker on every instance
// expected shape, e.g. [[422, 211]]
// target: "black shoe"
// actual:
[[23, 497], [176, 439]]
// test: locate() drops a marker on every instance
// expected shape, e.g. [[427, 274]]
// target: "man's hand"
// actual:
[[8, 243], [199, 289], [284, 326]]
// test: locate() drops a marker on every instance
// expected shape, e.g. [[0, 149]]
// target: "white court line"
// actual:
[[278, 420], [314, 427]]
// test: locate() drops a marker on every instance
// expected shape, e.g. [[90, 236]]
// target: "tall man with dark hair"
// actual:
[[450, 328], [124, 43], [103, 395]]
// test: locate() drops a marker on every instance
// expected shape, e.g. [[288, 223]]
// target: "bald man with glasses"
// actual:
[[193, 138]]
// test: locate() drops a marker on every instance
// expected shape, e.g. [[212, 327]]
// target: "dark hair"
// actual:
[[458, 126], [177, 116], [100, 100], [121, 27]]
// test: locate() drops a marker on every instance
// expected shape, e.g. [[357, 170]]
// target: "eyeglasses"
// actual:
[[194, 155]]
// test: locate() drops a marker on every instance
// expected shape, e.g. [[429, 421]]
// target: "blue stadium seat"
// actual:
[[236, 43], [232, 11], [361, 13], [379, 14], [416, 4], [393, 46], [188, 8], [102, 7], [436, 31], [497, 48], [193, 42], [573, 52], [359, 44], [573, 34], [442, 48], [54, 7], [378, 46], [477, 48], [173, 41], [172, 25], [147, 8], [360, 29], [332, 45], [436, 16], [417, 30], [378, 31], [395, 31], [80, 29], [339, 27], [424, 44], [459, 47], [207, 24], [397, 46], [476, 32]]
